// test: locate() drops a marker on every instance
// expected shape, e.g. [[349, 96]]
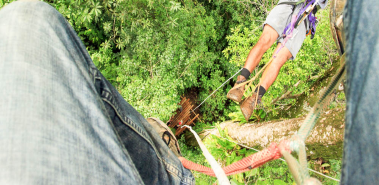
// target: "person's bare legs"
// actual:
[[266, 40], [268, 77], [272, 71]]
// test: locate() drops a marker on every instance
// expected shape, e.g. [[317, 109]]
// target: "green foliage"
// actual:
[[338, 100], [5, 2], [341, 96], [151, 50], [225, 150], [331, 168], [274, 172], [257, 116], [154, 51], [237, 116]]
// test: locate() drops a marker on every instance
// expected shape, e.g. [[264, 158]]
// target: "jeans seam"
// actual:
[[122, 117], [176, 172], [126, 123], [120, 143], [107, 97]]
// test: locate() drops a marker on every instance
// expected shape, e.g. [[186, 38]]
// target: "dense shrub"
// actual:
[[154, 51]]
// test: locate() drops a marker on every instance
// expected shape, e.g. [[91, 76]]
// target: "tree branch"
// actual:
[[288, 94]]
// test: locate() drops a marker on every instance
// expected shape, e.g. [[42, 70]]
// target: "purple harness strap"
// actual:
[[288, 31], [311, 18]]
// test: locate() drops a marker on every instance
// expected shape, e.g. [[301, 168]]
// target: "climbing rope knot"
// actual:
[[275, 151], [295, 142], [284, 145]]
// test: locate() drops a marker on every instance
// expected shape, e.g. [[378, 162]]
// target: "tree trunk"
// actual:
[[306, 101], [328, 130], [324, 141]]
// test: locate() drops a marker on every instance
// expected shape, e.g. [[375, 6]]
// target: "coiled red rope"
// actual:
[[246, 164]]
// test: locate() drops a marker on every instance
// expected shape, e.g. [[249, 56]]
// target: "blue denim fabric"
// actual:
[[361, 145], [61, 121]]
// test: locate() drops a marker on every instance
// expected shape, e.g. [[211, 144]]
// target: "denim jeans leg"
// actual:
[[361, 145], [61, 122]]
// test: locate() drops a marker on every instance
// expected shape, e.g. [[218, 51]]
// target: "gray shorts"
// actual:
[[279, 17]]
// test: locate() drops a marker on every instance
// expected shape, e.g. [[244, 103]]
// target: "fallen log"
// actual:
[[324, 141], [328, 130]]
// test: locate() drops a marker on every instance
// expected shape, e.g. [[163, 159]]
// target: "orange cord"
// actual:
[[245, 164]]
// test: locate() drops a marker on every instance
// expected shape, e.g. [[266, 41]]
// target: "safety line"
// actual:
[[279, 158], [220, 174], [218, 88]]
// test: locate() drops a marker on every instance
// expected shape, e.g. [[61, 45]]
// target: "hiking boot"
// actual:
[[167, 136], [248, 105], [236, 94]]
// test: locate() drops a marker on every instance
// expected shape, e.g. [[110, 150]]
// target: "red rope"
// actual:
[[246, 164]]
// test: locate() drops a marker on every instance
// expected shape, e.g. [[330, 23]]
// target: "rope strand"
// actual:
[[218, 88], [250, 148]]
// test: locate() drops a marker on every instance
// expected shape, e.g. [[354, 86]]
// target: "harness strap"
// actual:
[[306, 11], [291, 2]]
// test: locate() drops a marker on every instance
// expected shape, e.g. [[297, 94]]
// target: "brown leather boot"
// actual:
[[248, 105], [236, 94]]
